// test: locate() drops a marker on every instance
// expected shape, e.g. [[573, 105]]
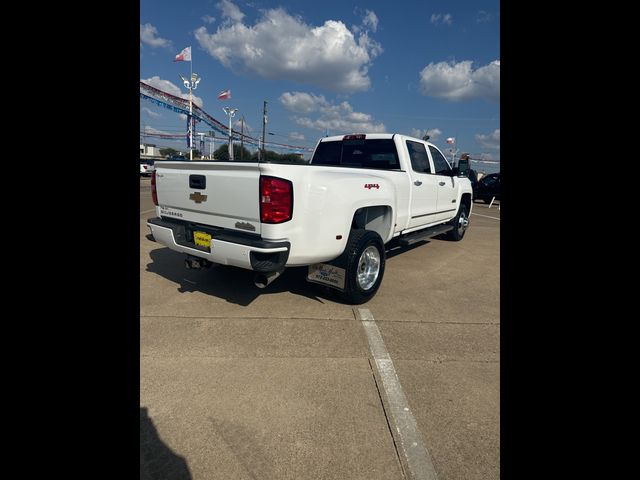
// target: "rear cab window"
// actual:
[[418, 155], [439, 162], [358, 153]]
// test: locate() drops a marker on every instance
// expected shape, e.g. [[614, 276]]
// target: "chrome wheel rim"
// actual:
[[463, 222], [368, 268]]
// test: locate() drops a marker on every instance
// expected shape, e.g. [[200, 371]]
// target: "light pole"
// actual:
[[191, 85], [231, 112]]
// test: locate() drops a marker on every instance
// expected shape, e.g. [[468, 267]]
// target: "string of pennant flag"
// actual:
[[181, 105]]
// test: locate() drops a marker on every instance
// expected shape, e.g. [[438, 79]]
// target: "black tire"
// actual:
[[359, 241], [460, 223]]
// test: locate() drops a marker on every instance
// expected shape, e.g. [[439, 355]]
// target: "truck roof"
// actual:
[[371, 136]]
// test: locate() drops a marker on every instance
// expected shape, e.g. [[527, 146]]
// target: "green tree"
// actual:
[[222, 153], [274, 157], [165, 152]]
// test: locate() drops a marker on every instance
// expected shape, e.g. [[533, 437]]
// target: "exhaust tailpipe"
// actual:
[[261, 280], [196, 263]]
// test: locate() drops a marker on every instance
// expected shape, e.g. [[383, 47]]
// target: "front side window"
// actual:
[[439, 162], [418, 155]]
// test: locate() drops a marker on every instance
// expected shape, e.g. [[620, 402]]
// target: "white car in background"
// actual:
[[146, 168]]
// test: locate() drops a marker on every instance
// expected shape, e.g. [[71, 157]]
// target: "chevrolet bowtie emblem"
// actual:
[[198, 197]]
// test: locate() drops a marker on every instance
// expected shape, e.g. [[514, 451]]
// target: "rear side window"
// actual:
[[327, 153], [378, 153], [439, 162], [418, 155]]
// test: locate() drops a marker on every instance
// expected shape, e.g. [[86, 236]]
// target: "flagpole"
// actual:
[[191, 105], [453, 149]]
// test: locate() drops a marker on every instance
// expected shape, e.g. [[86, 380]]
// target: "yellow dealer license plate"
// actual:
[[202, 239]]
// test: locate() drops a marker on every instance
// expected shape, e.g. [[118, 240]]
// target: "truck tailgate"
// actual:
[[212, 193]]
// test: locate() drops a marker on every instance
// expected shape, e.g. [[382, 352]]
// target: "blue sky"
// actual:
[[332, 67]]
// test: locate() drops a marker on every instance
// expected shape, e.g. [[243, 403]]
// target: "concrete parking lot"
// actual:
[[242, 383]]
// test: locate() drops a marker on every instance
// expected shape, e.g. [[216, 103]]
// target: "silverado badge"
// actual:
[[198, 197]]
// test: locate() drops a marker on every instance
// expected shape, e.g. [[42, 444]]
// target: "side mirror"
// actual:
[[463, 167]]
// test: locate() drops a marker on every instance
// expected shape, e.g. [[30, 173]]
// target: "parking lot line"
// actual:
[[409, 440], [485, 216]]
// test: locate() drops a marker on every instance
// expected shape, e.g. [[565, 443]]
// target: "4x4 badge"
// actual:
[[198, 197]]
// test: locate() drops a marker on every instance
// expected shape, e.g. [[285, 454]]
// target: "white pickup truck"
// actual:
[[334, 215]]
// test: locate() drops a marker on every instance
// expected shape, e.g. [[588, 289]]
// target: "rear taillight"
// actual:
[[276, 200], [154, 192]]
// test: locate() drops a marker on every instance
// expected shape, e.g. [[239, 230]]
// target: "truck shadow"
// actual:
[[235, 285]]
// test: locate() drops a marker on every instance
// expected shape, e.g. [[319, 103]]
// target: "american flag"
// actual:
[[224, 95]]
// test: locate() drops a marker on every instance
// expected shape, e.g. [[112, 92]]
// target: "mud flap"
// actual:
[[327, 274]]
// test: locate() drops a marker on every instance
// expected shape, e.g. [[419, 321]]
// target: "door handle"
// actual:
[[417, 182], [441, 184]]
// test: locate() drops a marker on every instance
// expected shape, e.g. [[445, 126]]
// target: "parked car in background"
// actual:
[[487, 188], [147, 167], [473, 178]]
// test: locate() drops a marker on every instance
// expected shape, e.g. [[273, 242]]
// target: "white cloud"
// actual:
[[148, 129], [282, 47], [208, 19], [457, 81], [491, 140], [370, 20], [302, 102], [338, 118], [296, 136], [433, 133], [483, 17], [182, 117], [230, 11], [148, 35], [441, 18], [171, 88], [151, 113]]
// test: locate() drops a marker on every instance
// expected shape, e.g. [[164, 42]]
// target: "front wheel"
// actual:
[[364, 262], [460, 223]]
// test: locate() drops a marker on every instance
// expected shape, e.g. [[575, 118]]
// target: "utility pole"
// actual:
[[264, 124], [242, 139], [212, 145]]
